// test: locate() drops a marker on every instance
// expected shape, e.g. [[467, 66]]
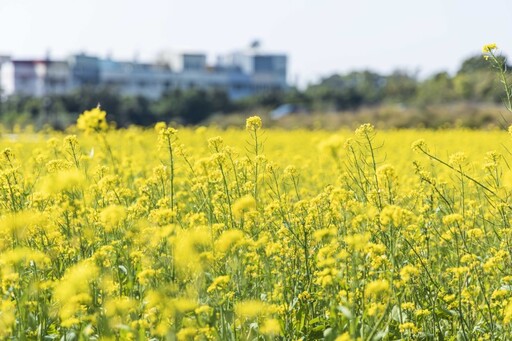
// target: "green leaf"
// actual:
[[397, 316]]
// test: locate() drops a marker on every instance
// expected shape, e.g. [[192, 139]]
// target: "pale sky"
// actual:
[[321, 37]]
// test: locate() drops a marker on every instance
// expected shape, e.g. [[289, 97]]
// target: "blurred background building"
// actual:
[[240, 74]]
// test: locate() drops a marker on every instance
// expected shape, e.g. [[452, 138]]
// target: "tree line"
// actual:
[[474, 82]]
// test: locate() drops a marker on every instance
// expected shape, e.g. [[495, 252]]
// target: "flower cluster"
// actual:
[[197, 235], [93, 120], [488, 48]]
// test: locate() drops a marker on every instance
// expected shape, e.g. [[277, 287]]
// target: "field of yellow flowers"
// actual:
[[254, 234]]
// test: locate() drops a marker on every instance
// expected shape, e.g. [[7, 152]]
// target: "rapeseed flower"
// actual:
[[218, 283], [243, 205], [507, 313], [408, 327], [112, 216], [160, 126], [488, 48], [377, 288], [228, 239], [419, 145], [271, 327], [344, 337], [358, 242], [408, 272], [93, 121], [73, 292], [98, 246], [63, 180], [7, 318], [184, 305], [252, 308], [253, 123], [119, 307], [187, 333]]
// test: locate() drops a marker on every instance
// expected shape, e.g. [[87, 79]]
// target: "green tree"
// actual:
[[473, 64], [401, 86], [135, 110], [349, 91], [475, 81], [437, 89], [190, 106]]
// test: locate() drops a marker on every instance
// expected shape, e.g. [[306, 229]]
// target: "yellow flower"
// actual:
[[93, 120], [145, 276], [187, 333], [507, 313], [228, 239], [290, 171], [19, 225], [457, 159], [365, 130], [252, 308], [64, 180], [270, 327], [475, 233], [187, 244], [204, 309], [377, 288], [112, 216], [119, 306], [160, 126], [454, 218], [358, 241], [24, 256], [166, 135], [215, 143], [421, 312], [218, 282], [183, 305], [419, 145], [253, 123], [344, 337], [408, 306], [408, 272], [72, 293], [243, 205], [395, 215], [408, 327], [71, 141], [7, 318], [488, 48]]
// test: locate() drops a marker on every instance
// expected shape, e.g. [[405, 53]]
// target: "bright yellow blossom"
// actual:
[[94, 120], [253, 123], [488, 48]]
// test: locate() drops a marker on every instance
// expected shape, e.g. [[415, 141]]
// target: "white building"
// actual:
[[183, 61], [240, 74], [34, 77]]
